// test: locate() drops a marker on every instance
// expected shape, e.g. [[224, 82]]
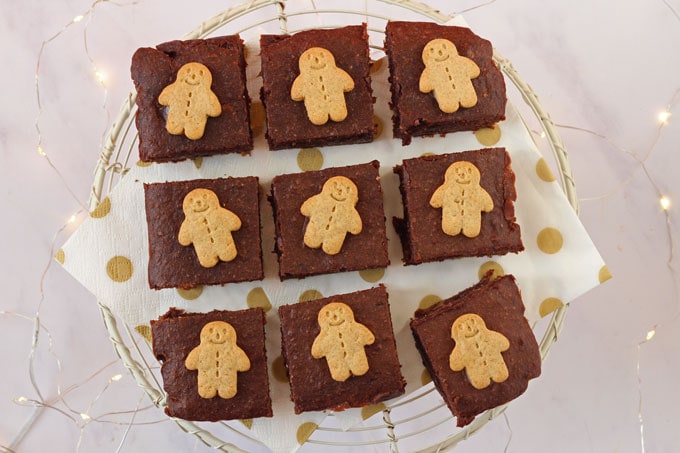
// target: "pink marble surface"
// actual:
[[604, 71]]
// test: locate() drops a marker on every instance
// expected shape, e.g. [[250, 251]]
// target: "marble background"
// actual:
[[606, 71]]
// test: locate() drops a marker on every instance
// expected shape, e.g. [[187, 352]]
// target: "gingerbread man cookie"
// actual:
[[342, 342], [448, 75], [332, 215], [478, 351], [208, 226], [190, 101], [218, 359], [322, 85], [462, 200]]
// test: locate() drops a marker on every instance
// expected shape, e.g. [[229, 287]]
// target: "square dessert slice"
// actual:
[[478, 347], [203, 232], [346, 56], [449, 218], [201, 79], [214, 365], [319, 234], [435, 101], [340, 351]]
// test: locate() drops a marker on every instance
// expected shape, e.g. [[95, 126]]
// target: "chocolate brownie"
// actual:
[[176, 334], [416, 113], [422, 236], [499, 304], [287, 123], [172, 264], [365, 250], [312, 387], [154, 69]]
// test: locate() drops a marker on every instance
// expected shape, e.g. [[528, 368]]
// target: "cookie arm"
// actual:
[[346, 80], [425, 84], [487, 202], [184, 236], [164, 97], [191, 361], [308, 206], [296, 92], [456, 359], [319, 346], [472, 68], [215, 108], [356, 224], [242, 360], [437, 199]]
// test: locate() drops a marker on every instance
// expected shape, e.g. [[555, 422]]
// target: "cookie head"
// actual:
[[218, 332], [199, 201], [316, 59], [438, 51], [335, 314], [462, 172], [467, 326], [341, 189], [194, 74]]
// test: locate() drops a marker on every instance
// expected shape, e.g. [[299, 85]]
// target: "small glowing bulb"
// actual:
[[41, 151], [100, 76], [85, 417], [78, 18], [664, 117], [116, 378], [665, 203], [542, 134], [21, 399], [650, 334], [72, 219]]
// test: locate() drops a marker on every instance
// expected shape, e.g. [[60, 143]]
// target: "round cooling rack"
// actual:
[[422, 417]]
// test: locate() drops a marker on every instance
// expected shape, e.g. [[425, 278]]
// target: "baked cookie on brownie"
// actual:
[[203, 232], [329, 221], [478, 347], [340, 351], [214, 365], [456, 205], [317, 88], [443, 79], [192, 99]]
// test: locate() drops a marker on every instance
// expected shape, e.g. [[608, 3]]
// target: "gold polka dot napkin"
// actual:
[[109, 251]]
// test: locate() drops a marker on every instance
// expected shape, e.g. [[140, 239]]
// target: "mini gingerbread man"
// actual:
[[322, 85], [190, 101], [448, 75], [332, 215], [218, 359], [342, 342], [478, 351], [208, 226], [462, 200]]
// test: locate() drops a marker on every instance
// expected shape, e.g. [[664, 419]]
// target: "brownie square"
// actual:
[[365, 250], [154, 69], [287, 123], [416, 113], [176, 334], [421, 233], [172, 264], [312, 388], [498, 302]]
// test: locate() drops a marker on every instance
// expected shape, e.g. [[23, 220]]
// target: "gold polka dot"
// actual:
[[198, 162], [141, 163], [489, 136], [102, 209], [378, 123], [247, 422], [144, 331], [369, 411], [549, 240], [428, 301], [310, 159], [257, 298], [549, 305], [372, 275], [60, 256], [310, 294], [304, 431], [543, 171], [427, 154], [497, 269], [257, 118], [425, 377], [279, 370], [192, 293], [119, 269], [376, 65], [604, 274]]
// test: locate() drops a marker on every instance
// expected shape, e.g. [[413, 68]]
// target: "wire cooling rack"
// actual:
[[421, 421]]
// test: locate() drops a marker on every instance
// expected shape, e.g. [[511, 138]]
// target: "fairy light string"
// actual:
[[82, 417]]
